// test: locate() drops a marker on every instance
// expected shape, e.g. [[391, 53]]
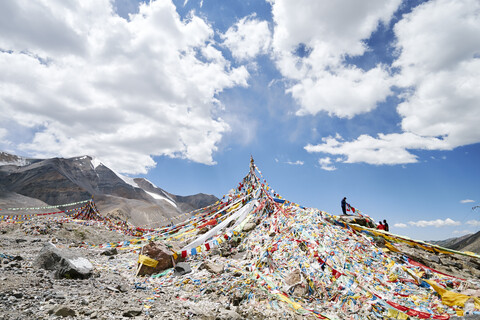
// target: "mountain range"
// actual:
[[469, 242], [26, 182]]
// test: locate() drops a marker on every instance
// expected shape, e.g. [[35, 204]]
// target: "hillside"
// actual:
[[469, 242], [36, 182]]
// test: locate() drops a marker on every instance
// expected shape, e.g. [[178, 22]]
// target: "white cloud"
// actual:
[[462, 232], [467, 201], [439, 45], [438, 55], [386, 149], [311, 41], [248, 38], [400, 225], [435, 223], [90, 82], [3, 133], [296, 163], [475, 223], [326, 164]]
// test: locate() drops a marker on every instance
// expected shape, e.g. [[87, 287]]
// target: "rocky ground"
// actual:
[[112, 291]]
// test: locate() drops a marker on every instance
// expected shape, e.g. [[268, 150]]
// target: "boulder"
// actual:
[[132, 312], [62, 311], [64, 264], [362, 221], [109, 252], [182, 268], [160, 258], [237, 298], [296, 284], [294, 277], [249, 226], [212, 267]]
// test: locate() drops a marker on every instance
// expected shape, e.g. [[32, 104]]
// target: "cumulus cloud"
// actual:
[[400, 225], [467, 201], [462, 232], [385, 149], [326, 164], [435, 223], [438, 55], [296, 163], [248, 38], [439, 48], [475, 223], [90, 82], [311, 42]]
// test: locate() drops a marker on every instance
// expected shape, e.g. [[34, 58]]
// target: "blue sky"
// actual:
[[376, 101]]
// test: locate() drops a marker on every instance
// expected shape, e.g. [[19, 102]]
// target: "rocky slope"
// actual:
[[470, 242], [33, 182]]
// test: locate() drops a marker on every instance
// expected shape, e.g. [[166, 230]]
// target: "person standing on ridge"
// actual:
[[380, 225], [344, 205], [385, 225]]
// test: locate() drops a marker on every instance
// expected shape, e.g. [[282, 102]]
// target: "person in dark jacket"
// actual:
[[385, 224], [344, 205]]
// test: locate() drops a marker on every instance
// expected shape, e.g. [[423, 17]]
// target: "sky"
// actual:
[[376, 101]]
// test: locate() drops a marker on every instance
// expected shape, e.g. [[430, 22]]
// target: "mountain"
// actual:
[[469, 242], [37, 182]]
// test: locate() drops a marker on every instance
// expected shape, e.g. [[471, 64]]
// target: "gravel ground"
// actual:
[[112, 291]]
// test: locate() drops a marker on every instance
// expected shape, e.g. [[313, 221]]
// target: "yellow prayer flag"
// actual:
[[451, 298], [147, 261]]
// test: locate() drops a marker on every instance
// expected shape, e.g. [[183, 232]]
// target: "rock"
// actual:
[[215, 251], [379, 242], [65, 264], [113, 289], [203, 230], [294, 277], [297, 286], [434, 258], [109, 252], [182, 268], [235, 241], [159, 252], [237, 299], [14, 264], [249, 226], [122, 288], [228, 314], [133, 312], [62, 311], [212, 267]]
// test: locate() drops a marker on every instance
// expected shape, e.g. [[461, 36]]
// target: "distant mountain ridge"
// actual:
[[28, 182], [469, 242]]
